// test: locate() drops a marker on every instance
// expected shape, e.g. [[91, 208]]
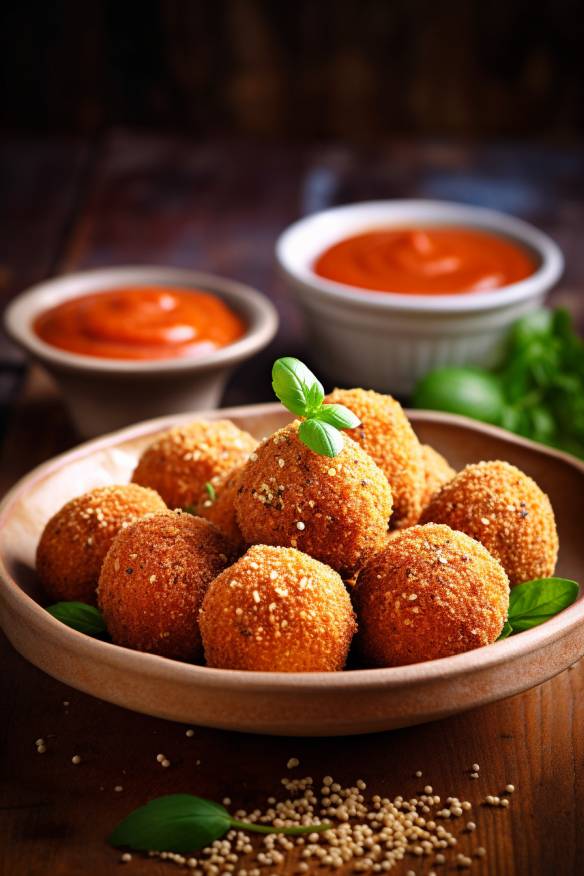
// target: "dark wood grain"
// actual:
[[220, 206], [55, 816]]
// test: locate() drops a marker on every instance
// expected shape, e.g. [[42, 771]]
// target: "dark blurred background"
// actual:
[[191, 132], [354, 70]]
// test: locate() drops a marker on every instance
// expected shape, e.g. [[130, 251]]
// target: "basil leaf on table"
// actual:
[[175, 822], [79, 616], [185, 823]]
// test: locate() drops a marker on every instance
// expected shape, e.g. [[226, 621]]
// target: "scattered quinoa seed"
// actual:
[[76, 759], [292, 763], [367, 834]]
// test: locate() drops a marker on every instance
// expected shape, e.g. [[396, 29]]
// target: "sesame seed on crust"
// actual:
[[156, 608], [460, 605], [504, 509], [344, 517], [76, 539], [437, 472], [221, 509], [290, 613], [387, 436], [182, 460]]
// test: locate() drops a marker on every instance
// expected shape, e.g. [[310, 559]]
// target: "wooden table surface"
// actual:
[[133, 198]]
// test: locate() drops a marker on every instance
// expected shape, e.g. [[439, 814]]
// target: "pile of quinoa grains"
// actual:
[[424, 834]]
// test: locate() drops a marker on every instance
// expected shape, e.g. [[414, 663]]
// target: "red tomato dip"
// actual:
[[426, 261], [140, 322]]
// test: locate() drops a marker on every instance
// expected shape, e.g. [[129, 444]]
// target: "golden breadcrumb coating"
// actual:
[[76, 539], [506, 511], [153, 581], [437, 472], [336, 510], [431, 593], [184, 459], [386, 435], [220, 510], [277, 610]]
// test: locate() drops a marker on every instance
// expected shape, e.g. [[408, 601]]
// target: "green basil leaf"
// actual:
[[534, 326], [506, 631], [191, 509], [296, 386], [79, 616], [173, 823], [338, 416], [534, 602], [320, 437], [314, 398], [211, 491]]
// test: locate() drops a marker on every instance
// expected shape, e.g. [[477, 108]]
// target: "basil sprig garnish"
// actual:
[[79, 616], [302, 394], [534, 602], [185, 823]]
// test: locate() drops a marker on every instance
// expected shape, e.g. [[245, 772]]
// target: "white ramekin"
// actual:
[[387, 341], [107, 394]]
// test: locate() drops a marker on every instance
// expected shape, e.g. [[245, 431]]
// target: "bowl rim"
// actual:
[[162, 668], [386, 212], [258, 311]]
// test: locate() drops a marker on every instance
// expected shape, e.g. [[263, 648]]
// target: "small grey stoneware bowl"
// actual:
[[107, 394]]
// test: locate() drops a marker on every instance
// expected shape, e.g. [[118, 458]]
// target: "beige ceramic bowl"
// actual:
[[319, 704], [106, 394]]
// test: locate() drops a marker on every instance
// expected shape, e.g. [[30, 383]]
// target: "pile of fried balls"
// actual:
[[271, 557]]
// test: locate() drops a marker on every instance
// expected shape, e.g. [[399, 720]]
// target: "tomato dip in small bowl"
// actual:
[[392, 289], [126, 344]]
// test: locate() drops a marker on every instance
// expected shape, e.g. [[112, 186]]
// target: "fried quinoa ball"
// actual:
[[220, 510], [506, 511], [335, 510], [76, 539], [431, 593], [181, 461], [153, 581], [277, 610], [437, 472], [386, 435]]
